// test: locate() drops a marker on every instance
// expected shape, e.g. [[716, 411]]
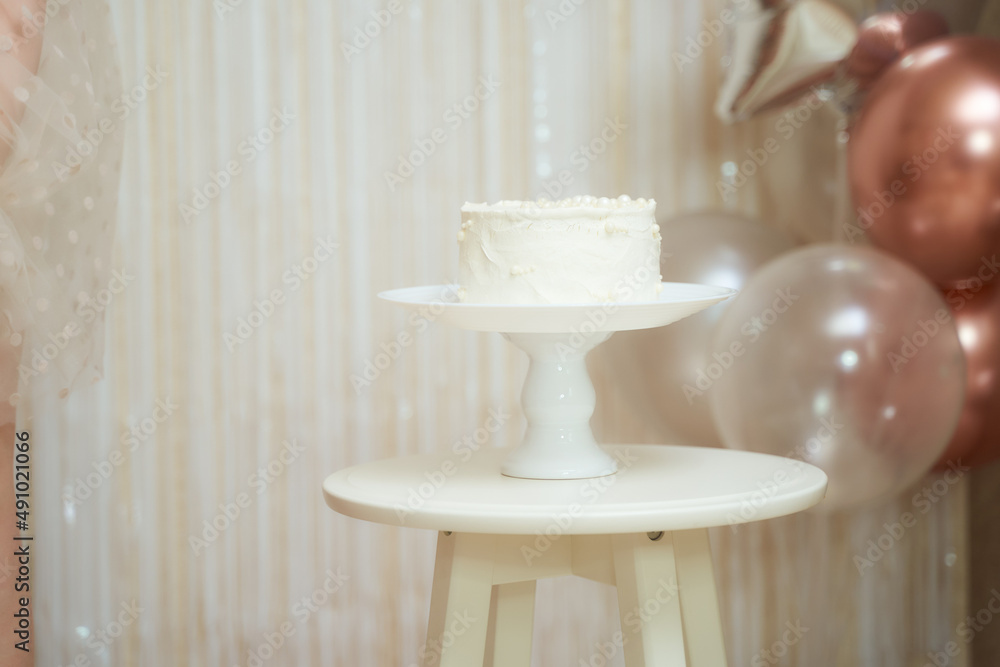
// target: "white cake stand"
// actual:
[[558, 397]]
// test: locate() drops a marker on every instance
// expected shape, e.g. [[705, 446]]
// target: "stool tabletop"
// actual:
[[657, 487]]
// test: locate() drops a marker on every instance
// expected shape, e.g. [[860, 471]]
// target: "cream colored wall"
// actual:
[[323, 175]]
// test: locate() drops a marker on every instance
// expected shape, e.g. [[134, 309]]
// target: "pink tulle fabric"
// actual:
[[58, 198]]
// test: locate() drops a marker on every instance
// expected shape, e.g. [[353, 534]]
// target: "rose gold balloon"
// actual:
[[924, 158], [885, 37], [988, 449], [977, 316]]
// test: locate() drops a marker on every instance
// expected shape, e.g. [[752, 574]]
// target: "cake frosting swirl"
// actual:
[[577, 250]]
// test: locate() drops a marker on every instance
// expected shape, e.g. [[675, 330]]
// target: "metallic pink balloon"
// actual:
[[885, 37], [924, 158], [843, 357], [977, 438]]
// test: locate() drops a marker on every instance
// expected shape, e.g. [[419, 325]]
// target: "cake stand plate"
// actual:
[[558, 397], [441, 304]]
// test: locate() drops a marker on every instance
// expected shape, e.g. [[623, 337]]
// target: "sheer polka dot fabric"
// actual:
[[63, 130]]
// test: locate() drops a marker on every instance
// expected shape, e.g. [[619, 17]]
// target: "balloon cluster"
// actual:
[[811, 360], [785, 51], [874, 363], [923, 158], [924, 168]]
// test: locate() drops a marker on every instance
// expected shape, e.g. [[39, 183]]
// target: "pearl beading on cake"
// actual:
[[588, 205], [623, 202]]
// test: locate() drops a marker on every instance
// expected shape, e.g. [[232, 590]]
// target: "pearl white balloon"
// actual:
[[659, 369], [846, 358]]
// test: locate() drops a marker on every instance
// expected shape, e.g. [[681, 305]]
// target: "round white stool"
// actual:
[[643, 530]]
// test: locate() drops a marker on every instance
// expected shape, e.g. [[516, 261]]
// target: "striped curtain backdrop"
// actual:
[[297, 158]]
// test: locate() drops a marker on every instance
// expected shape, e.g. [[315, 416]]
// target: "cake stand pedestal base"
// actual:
[[558, 400], [558, 397]]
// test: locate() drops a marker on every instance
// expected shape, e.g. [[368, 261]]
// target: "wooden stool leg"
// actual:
[[648, 603], [699, 601], [460, 601], [512, 623]]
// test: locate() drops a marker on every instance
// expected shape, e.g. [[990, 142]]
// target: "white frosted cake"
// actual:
[[579, 250]]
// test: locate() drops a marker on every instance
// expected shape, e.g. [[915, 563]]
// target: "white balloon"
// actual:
[[846, 358], [660, 370]]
